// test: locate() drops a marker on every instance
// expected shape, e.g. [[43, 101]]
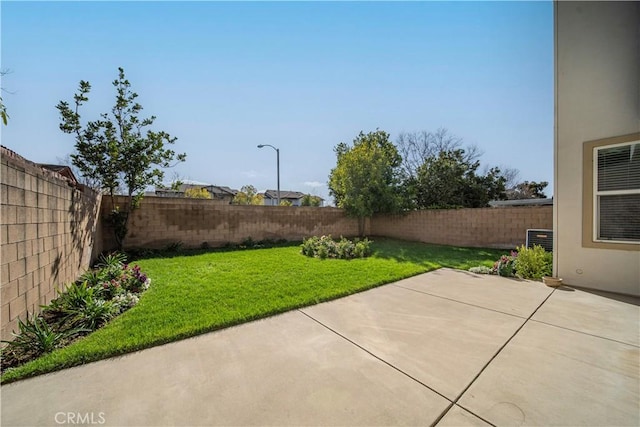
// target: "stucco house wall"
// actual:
[[597, 93]]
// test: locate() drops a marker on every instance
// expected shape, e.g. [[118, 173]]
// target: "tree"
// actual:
[[366, 178], [449, 180], [248, 195], [415, 147], [84, 180], [197, 193], [176, 181], [510, 175], [528, 190], [118, 148], [285, 203], [4, 116], [309, 200], [3, 112]]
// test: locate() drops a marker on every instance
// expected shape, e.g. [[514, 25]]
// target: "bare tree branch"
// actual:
[[416, 147]]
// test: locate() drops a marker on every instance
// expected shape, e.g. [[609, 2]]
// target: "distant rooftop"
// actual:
[[521, 202], [285, 194]]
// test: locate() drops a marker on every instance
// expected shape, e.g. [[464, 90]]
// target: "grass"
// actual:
[[195, 293]]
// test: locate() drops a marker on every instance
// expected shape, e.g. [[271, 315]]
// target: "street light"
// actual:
[[277, 165]]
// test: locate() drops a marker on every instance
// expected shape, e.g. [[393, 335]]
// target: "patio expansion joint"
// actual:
[[465, 303], [375, 356], [455, 401]]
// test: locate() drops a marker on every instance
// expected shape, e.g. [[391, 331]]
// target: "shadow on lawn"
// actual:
[[176, 250], [382, 247], [424, 253]]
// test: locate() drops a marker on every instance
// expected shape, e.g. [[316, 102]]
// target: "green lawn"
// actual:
[[192, 294]]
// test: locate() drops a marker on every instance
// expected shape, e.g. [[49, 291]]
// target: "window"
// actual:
[[616, 193]]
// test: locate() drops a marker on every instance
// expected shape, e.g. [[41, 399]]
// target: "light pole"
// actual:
[[277, 165]]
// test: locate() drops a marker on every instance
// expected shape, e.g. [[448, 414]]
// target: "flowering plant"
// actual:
[[125, 279], [134, 280], [125, 301], [505, 266]]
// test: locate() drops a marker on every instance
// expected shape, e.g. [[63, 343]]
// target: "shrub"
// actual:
[[533, 263], [481, 270], [91, 278], [172, 248], [111, 263], [505, 266], [93, 314], [113, 277], [325, 247], [308, 247], [82, 306], [345, 249], [363, 248], [74, 296], [133, 280], [37, 337], [249, 243]]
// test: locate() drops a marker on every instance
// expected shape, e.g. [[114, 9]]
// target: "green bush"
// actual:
[[112, 263], [345, 248], [308, 247], [325, 247], [82, 306], [533, 263], [93, 314], [363, 248], [75, 295], [37, 337]]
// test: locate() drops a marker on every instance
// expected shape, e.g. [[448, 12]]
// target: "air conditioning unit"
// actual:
[[543, 238]]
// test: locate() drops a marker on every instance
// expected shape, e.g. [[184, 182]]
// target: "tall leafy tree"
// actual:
[[450, 180], [118, 148], [415, 147], [367, 176]]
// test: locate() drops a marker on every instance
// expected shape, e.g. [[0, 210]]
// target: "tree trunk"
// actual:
[[361, 225]]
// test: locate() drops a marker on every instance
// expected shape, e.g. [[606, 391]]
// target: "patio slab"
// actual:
[[285, 370], [440, 346], [553, 376], [608, 316], [441, 343], [510, 296]]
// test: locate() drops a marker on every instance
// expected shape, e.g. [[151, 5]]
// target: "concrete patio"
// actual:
[[444, 348]]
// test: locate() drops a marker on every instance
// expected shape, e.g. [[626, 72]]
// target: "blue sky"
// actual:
[[224, 77]]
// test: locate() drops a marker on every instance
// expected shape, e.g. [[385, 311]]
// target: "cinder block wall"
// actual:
[[161, 220], [47, 234], [503, 227]]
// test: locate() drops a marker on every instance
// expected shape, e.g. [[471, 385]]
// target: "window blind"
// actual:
[[618, 193], [619, 168], [620, 217]]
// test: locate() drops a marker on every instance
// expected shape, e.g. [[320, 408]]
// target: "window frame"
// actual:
[[590, 222]]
